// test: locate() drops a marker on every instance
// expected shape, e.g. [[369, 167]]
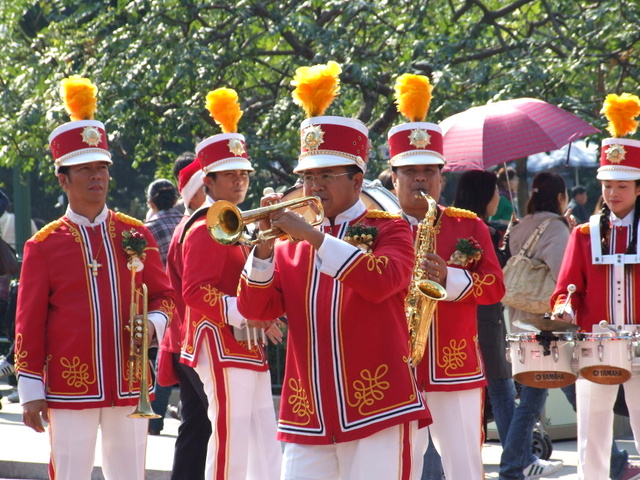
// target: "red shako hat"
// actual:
[[620, 157], [326, 141], [416, 142], [227, 150], [83, 140]]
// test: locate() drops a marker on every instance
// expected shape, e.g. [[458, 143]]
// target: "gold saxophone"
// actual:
[[424, 294]]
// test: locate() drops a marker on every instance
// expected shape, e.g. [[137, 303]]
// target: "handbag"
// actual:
[[528, 281], [8, 259]]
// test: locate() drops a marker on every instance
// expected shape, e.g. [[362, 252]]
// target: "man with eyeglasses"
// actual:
[[231, 364], [451, 373], [350, 406]]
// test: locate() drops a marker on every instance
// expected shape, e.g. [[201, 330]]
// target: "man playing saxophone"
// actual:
[[462, 261]]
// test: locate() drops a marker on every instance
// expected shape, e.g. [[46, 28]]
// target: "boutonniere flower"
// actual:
[[467, 250], [361, 236], [134, 244]]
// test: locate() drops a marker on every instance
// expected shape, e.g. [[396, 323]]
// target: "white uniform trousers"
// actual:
[[456, 432], [243, 442], [73, 435], [595, 424], [385, 455]]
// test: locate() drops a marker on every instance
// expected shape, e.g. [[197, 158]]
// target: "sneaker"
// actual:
[[6, 368], [632, 472], [13, 397], [175, 411], [542, 468]]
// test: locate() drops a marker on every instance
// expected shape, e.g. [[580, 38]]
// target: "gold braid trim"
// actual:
[[585, 229], [382, 214], [459, 212], [45, 231], [128, 220]]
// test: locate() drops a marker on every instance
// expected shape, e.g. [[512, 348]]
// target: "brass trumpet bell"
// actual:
[[225, 221]]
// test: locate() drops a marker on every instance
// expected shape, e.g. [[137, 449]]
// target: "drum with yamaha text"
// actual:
[[605, 358], [542, 360]]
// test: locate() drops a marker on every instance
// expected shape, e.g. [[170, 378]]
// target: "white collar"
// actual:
[[84, 221], [627, 221], [349, 214], [412, 220]]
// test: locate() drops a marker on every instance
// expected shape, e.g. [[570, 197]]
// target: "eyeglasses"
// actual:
[[322, 179]]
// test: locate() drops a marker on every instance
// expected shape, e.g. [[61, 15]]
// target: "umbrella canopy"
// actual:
[[482, 137], [578, 153]]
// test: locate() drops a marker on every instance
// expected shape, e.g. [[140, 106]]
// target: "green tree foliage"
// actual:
[[155, 60]]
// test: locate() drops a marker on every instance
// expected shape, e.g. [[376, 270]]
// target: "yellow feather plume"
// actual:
[[80, 97], [316, 87], [413, 96], [621, 110], [224, 108]]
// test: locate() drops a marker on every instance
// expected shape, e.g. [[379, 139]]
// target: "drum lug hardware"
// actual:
[[521, 354], [600, 351], [554, 352]]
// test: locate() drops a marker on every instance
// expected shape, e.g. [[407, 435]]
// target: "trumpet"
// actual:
[[225, 221], [139, 356]]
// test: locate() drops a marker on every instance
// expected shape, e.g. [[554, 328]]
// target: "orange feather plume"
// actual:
[[413, 96], [224, 108], [316, 87], [80, 97], [621, 110]]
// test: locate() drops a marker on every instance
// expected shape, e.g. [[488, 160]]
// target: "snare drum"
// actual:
[[533, 368], [605, 358]]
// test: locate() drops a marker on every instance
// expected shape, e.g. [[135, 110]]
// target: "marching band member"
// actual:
[[451, 374], [74, 308], [350, 406], [190, 453], [602, 260], [234, 371]]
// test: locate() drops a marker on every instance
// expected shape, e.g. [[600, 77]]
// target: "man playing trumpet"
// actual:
[[350, 406], [72, 342]]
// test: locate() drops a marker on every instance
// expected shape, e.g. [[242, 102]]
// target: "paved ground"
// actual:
[[24, 453]]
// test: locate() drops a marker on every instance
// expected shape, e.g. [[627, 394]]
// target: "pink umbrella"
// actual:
[[482, 137]]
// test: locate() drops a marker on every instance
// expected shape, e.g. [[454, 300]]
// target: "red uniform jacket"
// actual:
[[596, 289], [171, 342], [347, 373], [452, 359], [70, 324], [211, 273]]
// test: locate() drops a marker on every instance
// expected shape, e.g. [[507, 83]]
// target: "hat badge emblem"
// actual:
[[236, 147], [312, 137], [419, 138], [91, 136], [616, 153]]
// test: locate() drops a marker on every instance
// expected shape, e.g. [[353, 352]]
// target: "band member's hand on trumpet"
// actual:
[[289, 221], [138, 322]]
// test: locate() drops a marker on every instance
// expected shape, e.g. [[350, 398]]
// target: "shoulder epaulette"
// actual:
[[201, 212], [585, 229], [459, 212], [128, 220], [45, 231], [382, 214]]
